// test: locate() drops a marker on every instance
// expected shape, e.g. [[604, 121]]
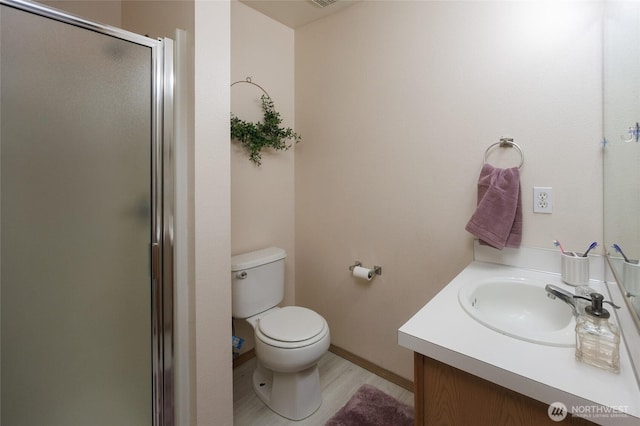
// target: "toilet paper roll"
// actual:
[[364, 273]]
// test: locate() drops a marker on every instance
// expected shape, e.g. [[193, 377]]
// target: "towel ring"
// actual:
[[506, 143]]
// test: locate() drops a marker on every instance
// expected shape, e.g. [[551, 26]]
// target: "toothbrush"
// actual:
[[619, 250], [557, 244], [591, 247]]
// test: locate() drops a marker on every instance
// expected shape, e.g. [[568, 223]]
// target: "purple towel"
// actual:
[[497, 220]]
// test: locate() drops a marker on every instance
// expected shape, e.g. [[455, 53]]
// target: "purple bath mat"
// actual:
[[369, 406]]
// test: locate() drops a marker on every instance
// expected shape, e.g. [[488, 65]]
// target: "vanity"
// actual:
[[466, 372]]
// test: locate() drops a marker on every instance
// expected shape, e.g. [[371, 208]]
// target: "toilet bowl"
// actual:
[[289, 340], [289, 343]]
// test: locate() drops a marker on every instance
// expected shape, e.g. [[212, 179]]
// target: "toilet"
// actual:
[[289, 340]]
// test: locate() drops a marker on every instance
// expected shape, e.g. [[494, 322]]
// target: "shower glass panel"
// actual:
[[76, 224]]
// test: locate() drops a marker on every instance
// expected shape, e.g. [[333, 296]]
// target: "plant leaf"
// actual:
[[254, 137]]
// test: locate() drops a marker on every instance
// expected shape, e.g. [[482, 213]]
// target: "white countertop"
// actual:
[[442, 330]]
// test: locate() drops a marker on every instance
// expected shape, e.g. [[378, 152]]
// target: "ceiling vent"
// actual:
[[323, 3]]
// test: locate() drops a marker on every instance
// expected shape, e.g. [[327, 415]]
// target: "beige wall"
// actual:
[[212, 215], [158, 18], [397, 102], [107, 12], [262, 198]]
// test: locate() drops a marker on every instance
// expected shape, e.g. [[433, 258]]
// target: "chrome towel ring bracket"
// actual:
[[506, 143]]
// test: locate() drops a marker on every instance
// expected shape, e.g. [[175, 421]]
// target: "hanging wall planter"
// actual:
[[254, 137]]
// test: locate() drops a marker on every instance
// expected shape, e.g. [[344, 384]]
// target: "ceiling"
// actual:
[[296, 13]]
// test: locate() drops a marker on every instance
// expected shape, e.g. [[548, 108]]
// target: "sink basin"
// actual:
[[519, 308]]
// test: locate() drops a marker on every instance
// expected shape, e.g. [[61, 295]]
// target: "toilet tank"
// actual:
[[257, 281]]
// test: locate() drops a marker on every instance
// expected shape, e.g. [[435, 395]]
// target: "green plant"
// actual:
[[268, 134]]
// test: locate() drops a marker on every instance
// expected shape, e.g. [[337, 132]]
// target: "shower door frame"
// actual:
[[161, 247]]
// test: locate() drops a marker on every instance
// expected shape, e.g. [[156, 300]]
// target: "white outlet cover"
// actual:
[[542, 199]]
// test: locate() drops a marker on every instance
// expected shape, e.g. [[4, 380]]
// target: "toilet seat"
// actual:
[[291, 327]]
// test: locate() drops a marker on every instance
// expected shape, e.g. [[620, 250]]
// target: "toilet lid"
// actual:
[[291, 324]]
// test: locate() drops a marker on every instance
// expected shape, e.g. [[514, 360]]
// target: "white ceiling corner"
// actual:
[[296, 13]]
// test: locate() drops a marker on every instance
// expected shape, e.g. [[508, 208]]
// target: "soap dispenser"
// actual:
[[598, 340]]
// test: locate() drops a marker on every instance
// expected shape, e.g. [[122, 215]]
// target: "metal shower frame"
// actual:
[[162, 200]]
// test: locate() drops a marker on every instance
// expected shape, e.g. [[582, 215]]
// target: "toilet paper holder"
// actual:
[[376, 269]]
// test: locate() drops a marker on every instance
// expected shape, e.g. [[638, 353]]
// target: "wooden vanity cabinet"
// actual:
[[445, 395]]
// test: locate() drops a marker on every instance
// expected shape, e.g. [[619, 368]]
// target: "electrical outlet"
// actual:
[[542, 199]]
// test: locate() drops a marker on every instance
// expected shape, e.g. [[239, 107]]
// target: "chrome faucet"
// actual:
[[554, 292]]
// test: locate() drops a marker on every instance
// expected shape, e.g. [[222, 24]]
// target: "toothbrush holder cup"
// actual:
[[574, 269], [631, 277]]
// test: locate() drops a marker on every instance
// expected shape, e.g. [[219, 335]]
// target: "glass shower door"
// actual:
[[77, 221]]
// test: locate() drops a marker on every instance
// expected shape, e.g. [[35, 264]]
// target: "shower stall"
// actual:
[[86, 251]]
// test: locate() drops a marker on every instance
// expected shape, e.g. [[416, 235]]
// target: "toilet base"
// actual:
[[291, 395]]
